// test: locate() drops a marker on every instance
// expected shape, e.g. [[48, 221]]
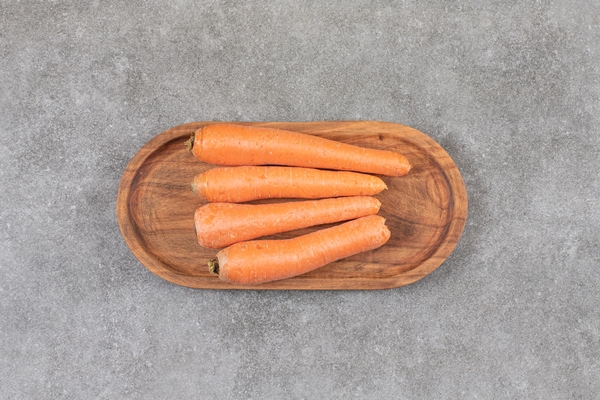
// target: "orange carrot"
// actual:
[[239, 184], [222, 224], [259, 261], [228, 144]]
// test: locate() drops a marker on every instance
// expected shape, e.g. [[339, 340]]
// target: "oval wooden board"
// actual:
[[425, 210]]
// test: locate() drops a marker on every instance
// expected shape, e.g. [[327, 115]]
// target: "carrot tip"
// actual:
[[213, 266], [189, 144]]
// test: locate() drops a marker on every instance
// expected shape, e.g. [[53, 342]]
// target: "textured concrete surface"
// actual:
[[510, 88]]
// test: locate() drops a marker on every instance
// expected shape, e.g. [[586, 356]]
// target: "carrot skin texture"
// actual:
[[246, 183], [229, 144], [219, 225], [260, 261]]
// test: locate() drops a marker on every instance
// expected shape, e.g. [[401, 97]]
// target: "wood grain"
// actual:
[[425, 210]]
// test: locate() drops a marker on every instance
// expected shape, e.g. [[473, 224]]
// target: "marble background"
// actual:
[[511, 89]]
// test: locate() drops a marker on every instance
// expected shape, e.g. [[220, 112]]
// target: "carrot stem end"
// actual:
[[213, 266], [189, 144]]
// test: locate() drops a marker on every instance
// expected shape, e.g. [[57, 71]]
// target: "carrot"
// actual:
[[239, 184], [259, 261], [228, 144], [222, 224]]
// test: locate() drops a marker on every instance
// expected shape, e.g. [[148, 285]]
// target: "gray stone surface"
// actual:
[[510, 88]]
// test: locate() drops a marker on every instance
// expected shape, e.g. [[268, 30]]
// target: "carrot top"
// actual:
[[189, 144]]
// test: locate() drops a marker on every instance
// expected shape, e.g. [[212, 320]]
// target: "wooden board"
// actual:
[[425, 210]]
